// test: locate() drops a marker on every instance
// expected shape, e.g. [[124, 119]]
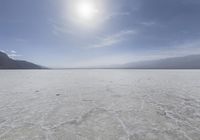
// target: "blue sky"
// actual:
[[47, 32]]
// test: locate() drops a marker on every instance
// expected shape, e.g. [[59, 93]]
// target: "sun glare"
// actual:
[[85, 13], [86, 10]]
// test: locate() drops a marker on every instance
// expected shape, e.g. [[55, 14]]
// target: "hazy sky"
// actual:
[[67, 33]]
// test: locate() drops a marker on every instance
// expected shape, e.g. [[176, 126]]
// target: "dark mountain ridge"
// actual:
[[8, 63]]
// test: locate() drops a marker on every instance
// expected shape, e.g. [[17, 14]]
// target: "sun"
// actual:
[[86, 10], [86, 14]]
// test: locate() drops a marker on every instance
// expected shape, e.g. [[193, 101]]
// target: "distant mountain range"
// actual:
[[185, 62], [8, 63]]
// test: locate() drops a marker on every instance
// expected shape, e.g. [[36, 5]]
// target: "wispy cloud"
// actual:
[[117, 14], [176, 50], [150, 23], [21, 40], [183, 49], [2, 51], [61, 29], [13, 54], [113, 15], [113, 39]]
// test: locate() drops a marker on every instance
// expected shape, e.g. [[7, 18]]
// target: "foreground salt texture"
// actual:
[[100, 105]]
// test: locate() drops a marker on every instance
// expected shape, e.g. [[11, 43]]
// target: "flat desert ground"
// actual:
[[99, 105]]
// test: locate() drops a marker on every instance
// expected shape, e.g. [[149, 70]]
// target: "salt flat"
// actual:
[[100, 105]]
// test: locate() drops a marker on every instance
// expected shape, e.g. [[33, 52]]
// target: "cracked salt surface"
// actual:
[[100, 105]]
